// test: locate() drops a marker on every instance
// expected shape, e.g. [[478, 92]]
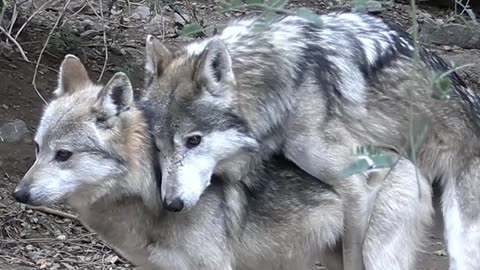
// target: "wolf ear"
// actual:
[[158, 57], [72, 76], [116, 96], [214, 67]]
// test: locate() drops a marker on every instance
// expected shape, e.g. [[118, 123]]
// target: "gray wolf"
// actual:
[[94, 150], [314, 91]]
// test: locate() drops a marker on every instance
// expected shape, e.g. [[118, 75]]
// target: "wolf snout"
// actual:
[[175, 205], [22, 195]]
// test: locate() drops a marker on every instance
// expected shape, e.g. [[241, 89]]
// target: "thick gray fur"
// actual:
[[275, 217], [315, 91]]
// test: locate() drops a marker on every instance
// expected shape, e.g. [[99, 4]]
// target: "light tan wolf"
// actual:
[[94, 150]]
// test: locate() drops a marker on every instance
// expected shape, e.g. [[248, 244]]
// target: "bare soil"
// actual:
[[32, 239]]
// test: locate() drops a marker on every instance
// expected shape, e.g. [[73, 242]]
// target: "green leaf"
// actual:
[[236, 3], [308, 15], [255, 2], [191, 29], [278, 3], [381, 161], [227, 6], [442, 87], [420, 126], [360, 6]]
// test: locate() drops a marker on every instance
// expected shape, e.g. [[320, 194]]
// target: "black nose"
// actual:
[[174, 206], [22, 195]]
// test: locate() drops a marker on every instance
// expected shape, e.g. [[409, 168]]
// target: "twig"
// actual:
[[53, 212], [14, 42], [14, 18], [2, 12], [43, 49], [104, 42], [31, 17]]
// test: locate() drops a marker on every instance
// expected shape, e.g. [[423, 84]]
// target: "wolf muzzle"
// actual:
[[22, 195], [176, 205]]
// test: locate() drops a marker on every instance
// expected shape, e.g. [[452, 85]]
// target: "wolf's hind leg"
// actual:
[[400, 217], [325, 161], [461, 214]]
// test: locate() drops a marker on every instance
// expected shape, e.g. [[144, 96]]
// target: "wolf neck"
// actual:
[[267, 75], [137, 181]]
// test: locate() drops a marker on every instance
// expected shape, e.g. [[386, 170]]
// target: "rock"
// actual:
[[424, 16], [374, 7], [154, 26], [13, 132], [5, 49], [181, 20], [471, 74], [141, 13], [447, 48], [451, 34]]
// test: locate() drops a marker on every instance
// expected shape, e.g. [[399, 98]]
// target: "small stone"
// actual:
[[29, 247], [155, 25], [5, 49], [447, 48], [5, 106], [181, 19], [141, 12], [13, 132], [374, 7], [62, 237]]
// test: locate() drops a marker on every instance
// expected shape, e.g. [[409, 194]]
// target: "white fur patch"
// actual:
[[194, 171], [194, 178], [462, 240]]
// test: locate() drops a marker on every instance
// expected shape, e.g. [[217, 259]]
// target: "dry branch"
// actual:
[[14, 42], [53, 212], [33, 15], [43, 49]]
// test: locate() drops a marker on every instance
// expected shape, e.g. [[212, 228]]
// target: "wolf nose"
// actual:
[[174, 206], [22, 195]]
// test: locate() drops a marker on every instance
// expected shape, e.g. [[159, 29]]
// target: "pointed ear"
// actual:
[[72, 76], [158, 57], [214, 67], [117, 95]]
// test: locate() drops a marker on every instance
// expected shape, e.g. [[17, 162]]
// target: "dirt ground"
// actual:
[[32, 239]]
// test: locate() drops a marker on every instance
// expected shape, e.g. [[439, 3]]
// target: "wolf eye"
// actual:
[[193, 141], [63, 155]]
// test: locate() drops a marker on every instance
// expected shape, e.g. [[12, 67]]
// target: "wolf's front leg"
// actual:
[[461, 213]]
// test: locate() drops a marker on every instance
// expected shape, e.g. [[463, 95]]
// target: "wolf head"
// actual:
[[79, 139], [198, 130]]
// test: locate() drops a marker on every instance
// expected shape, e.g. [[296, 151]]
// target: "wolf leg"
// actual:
[[332, 257], [461, 213], [399, 220]]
